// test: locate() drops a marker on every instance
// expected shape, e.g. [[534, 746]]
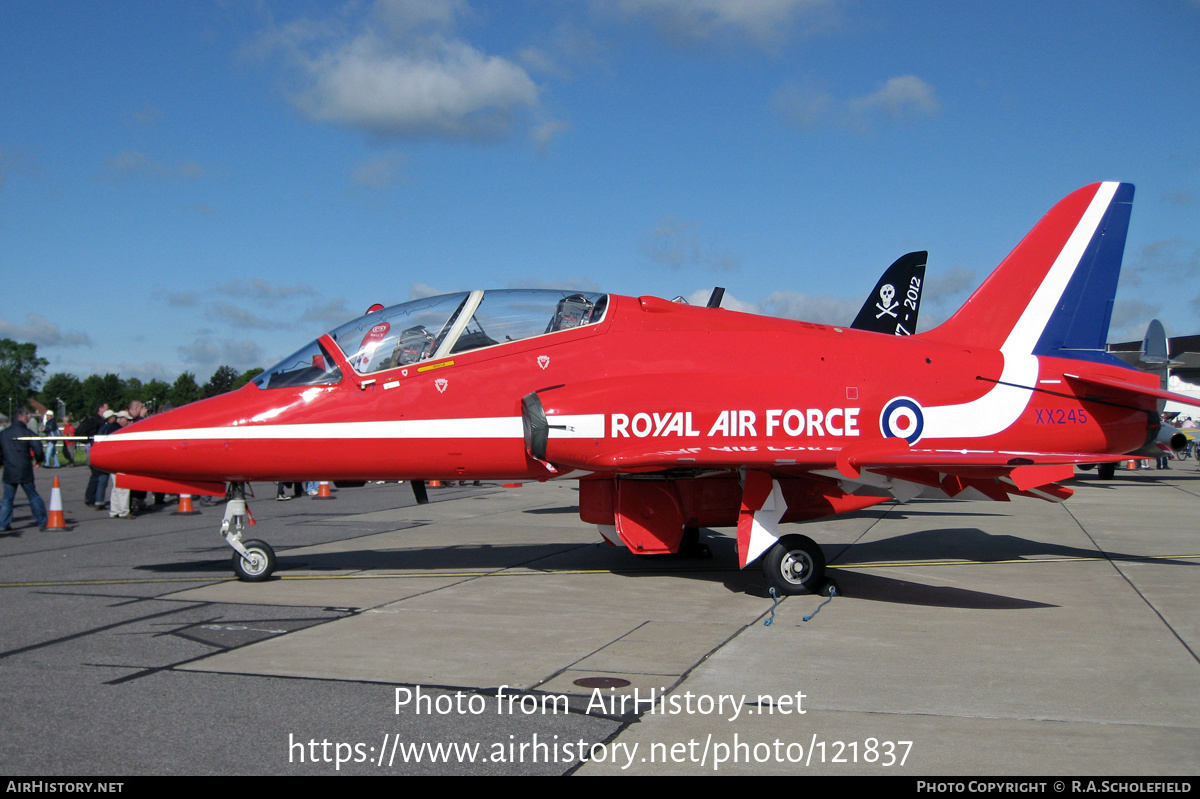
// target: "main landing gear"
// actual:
[[253, 560], [795, 565]]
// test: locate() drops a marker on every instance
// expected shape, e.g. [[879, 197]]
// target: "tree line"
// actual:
[[22, 370]]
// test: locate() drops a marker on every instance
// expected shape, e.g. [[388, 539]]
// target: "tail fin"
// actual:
[[895, 303], [1053, 294]]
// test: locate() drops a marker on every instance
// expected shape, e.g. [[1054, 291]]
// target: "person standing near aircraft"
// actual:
[[119, 500], [18, 470], [137, 411], [68, 430], [98, 483], [50, 428], [99, 480]]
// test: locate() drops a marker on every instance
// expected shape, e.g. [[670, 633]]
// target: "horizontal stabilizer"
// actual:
[[1122, 390]]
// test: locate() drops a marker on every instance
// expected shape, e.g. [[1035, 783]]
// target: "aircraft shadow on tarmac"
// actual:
[[1185, 473], [877, 588], [967, 543], [946, 544]]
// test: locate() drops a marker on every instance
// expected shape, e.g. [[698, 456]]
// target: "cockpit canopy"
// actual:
[[435, 327]]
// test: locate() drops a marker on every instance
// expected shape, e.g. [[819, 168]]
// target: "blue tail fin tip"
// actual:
[[1078, 327]]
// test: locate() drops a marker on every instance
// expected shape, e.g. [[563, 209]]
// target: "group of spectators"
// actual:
[[121, 501], [20, 450]]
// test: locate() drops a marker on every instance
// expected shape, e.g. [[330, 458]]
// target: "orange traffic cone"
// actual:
[[511, 485], [434, 483], [57, 520], [323, 491], [185, 506]]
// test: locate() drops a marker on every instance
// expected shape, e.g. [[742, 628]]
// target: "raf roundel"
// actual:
[[902, 418]]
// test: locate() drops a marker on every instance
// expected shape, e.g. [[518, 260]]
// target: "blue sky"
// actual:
[[186, 185]]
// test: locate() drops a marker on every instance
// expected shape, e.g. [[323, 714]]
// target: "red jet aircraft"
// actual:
[[674, 417]]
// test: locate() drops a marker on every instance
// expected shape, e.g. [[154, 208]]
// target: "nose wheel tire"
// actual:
[[259, 566], [795, 565]]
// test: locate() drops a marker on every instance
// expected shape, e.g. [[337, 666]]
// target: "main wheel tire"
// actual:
[[259, 566], [795, 565], [1106, 471]]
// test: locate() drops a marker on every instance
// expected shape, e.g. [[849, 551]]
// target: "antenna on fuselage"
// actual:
[[714, 300]]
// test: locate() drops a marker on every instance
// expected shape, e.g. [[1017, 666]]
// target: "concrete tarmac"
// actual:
[[490, 633]]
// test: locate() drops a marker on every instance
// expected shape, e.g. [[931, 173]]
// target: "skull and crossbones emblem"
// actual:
[[887, 293]]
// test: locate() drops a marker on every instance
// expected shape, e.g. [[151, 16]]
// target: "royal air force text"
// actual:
[[792, 422]]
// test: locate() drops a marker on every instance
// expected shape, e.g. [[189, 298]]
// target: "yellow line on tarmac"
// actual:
[[131, 581], [1023, 561], [550, 572]]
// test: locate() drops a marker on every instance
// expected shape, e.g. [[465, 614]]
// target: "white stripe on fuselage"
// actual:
[[495, 427], [996, 410]]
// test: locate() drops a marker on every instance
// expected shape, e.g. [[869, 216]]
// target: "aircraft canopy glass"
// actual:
[[435, 327], [401, 334], [308, 366]]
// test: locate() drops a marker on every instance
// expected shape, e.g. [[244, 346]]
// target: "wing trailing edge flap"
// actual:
[[894, 466]]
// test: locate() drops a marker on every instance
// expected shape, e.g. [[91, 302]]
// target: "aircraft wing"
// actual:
[[890, 465]]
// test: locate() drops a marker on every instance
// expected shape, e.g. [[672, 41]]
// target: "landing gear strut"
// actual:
[[253, 561]]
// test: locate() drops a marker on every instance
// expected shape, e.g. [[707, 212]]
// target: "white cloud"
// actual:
[[331, 314], [1130, 318], [418, 291], [904, 97], [144, 371], [400, 72], [949, 286], [259, 289], [761, 22], [379, 172], [901, 97], [803, 105], [42, 332], [820, 308], [208, 352], [238, 317], [728, 301], [545, 133], [405, 16], [673, 243], [568, 284], [454, 91], [136, 164]]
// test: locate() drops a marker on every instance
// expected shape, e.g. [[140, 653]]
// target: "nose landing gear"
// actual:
[[253, 560]]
